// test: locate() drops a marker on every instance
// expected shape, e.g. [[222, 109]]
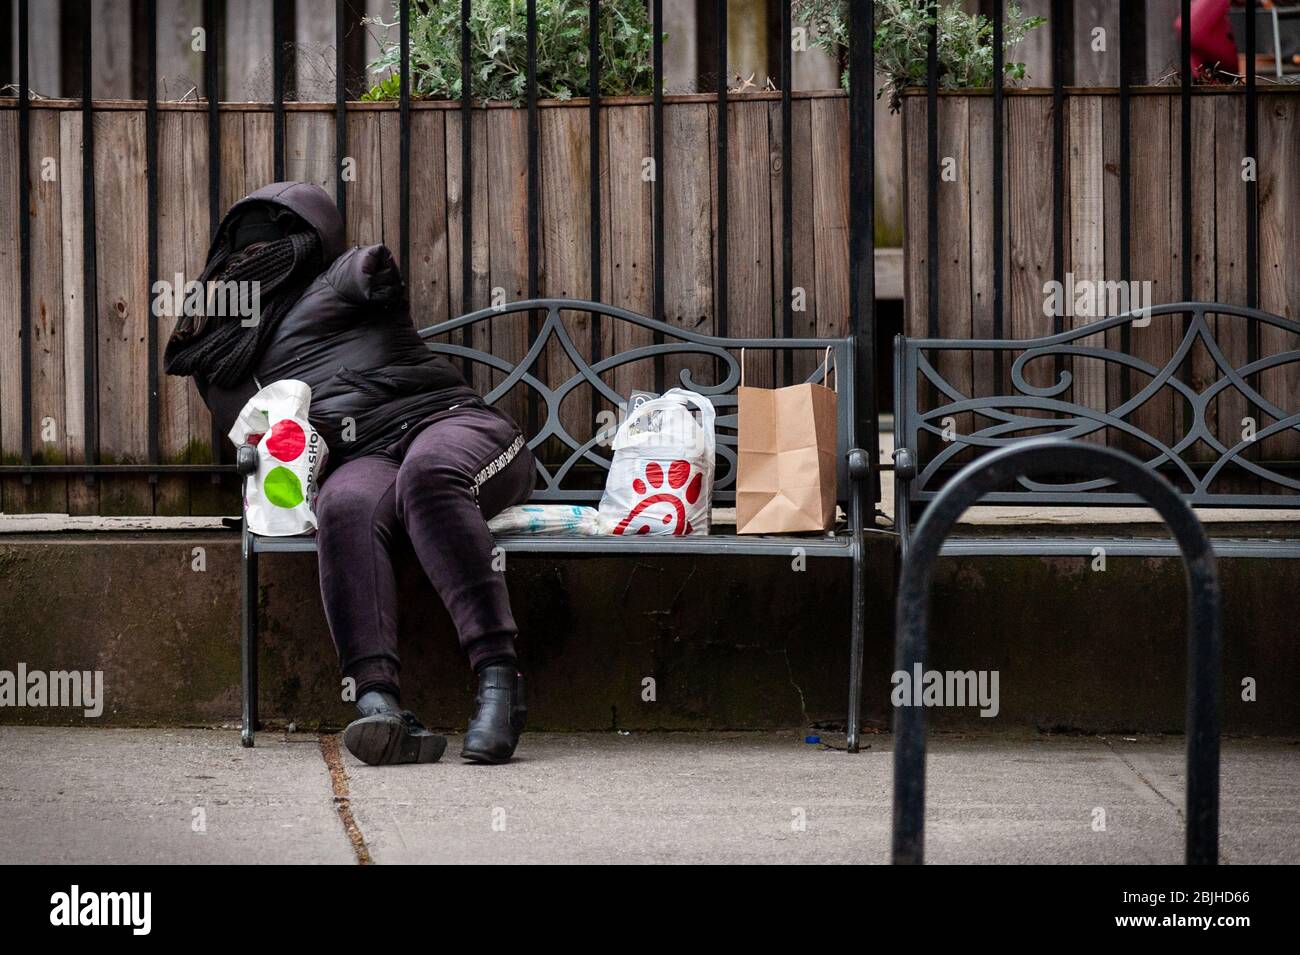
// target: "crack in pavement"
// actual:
[[1178, 811], [329, 750]]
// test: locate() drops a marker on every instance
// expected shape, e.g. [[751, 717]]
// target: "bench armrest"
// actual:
[[859, 464], [904, 463], [246, 459]]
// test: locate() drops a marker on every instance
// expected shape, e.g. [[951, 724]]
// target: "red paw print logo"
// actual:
[[681, 489]]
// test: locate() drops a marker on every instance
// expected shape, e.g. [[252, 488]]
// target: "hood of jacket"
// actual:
[[308, 201]]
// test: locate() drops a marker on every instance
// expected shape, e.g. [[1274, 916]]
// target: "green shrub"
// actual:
[[964, 48], [499, 50]]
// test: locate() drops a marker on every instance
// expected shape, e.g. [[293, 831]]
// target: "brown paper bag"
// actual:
[[785, 469]]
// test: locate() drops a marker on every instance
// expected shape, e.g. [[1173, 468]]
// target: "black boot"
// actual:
[[499, 714], [386, 734]]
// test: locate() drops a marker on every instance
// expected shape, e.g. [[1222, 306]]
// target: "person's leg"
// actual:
[[356, 516], [458, 472]]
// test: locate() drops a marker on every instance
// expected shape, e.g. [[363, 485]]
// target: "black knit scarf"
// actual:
[[219, 348]]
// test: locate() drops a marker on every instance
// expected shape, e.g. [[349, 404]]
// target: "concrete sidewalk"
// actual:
[[125, 796]]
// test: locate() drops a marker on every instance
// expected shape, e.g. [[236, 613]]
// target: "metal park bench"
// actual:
[[571, 469], [1183, 419]]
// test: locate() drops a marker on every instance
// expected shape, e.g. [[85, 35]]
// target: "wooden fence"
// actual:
[[1092, 233], [499, 251]]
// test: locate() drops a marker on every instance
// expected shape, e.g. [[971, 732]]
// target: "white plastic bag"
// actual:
[[661, 478], [279, 499], [547, 519]]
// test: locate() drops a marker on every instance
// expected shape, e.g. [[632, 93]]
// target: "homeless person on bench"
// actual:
[[413, 451]]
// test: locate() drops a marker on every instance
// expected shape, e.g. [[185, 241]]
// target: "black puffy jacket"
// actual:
[[350, 338]]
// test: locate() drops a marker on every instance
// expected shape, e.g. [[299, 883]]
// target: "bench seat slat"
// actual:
[[1113, 546], [838, 546]]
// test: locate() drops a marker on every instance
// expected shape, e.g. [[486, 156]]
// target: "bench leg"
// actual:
[[855, 645], [248, 639]]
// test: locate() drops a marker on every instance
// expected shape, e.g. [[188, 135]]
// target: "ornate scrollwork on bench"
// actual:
[[998, 420], [590, 376]]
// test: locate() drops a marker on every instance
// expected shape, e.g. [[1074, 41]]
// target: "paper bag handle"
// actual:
[[827, 367]]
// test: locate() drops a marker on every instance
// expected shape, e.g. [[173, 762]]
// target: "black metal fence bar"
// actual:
[[1185, 150], [862, 298], [1058, 157], [1125, 187], [660, 174], [534, 196], [1252, 188], [25, 237], [151, 174], [340, 107], [89, 269], [862, 235], [466, 184], [720, 291], [404, 143], [787, 191], [212, 90], [593, 163], [932, 179], [278, 68], [999, 141]]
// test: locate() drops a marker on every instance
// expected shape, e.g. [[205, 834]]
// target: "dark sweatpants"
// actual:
[[438, 486]]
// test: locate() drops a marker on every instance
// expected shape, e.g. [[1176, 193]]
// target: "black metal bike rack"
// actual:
[[1039, 457]]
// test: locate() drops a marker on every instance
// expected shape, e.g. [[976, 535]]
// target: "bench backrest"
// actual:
[[1219, 416], [564, 390]]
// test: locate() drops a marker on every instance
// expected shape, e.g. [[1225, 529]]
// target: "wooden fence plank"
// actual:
[[830, 212], [365, 194], [980, 118], [1201, 370], [10, 366], [206, 496], [1087, 244], [1229, 215], [83, 498], [1154, 212], [955, 245], [429, 232], [1114, 272], [1279, 240], [506, 166], [749, 229], [1029, 164], [565, 213], [49, 442], [628, 236], [121, 219], [916, 291], [172, 493], [309, 148], [481, 337], [688, 246], [804, 278], [390, 172]]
